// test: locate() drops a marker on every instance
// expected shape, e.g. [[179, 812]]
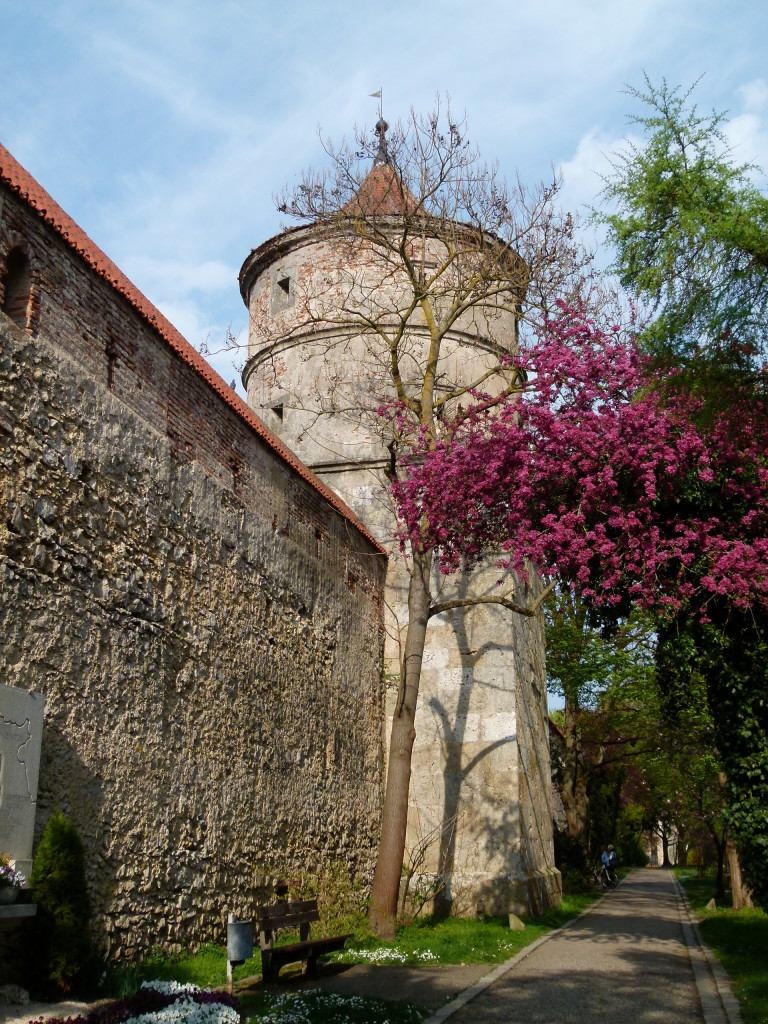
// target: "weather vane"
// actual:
[[382, 157]]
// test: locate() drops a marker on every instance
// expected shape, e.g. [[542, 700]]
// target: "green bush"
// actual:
[[629, 837], [119, 980], [571, 860], [341, 898], [61, 950]]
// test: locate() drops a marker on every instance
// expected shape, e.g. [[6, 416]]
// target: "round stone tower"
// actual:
[[324, 304]]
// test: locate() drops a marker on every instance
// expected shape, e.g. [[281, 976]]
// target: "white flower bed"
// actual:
[[385, 956], [184, 1010], [296, 1008], [171, 988], [302, 1008]]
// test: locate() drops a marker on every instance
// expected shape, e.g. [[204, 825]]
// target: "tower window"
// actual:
[[17, 288], [277, 406], [283, 291]]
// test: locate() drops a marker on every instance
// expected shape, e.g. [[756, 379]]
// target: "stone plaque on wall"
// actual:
[[21, 730]]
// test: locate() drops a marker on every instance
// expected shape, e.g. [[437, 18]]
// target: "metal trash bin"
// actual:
[[239, 944]]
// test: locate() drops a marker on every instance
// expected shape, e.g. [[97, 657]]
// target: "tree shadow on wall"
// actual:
[[500, 816], [456, 772], [535, 776]]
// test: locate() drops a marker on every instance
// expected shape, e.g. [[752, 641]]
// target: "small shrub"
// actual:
[[341, 899], [61, 949], [571, 860], [629, 837], [119, 981]]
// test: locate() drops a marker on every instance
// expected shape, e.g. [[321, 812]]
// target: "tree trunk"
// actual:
[[382, 914], [720, 846], [665, 862], [574, 788], [739, 894]]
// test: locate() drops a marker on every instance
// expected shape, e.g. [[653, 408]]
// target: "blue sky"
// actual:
[[165, 128]]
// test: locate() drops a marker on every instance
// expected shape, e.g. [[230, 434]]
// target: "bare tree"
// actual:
[[434, 264]]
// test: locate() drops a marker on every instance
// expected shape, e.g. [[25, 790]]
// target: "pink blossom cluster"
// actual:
[[597, 477]]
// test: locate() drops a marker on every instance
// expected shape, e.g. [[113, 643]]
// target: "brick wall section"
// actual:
[[177, 586], [69, 267]]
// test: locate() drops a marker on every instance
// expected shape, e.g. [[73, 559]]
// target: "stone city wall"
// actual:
[[204, 625]]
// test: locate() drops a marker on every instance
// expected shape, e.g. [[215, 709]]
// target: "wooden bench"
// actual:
[[297, 914]]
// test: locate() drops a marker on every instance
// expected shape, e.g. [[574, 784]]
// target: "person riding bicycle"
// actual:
[[613, 859], [609, 861]]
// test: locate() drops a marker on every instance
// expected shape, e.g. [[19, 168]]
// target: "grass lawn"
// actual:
[[740, 941], [420, 944], [456, 941]]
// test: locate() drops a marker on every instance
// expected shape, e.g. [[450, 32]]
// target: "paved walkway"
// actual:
[[635, 957]]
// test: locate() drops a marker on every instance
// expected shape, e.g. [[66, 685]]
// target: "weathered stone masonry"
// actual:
[[203, 616]]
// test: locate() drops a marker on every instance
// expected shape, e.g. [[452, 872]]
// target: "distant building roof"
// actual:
[[24, 185]]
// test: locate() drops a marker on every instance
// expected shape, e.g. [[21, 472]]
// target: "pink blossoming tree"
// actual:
[[629, 493], [594, 478]]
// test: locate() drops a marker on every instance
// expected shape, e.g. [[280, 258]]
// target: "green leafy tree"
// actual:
[[692, 763], [690, 234], [62, 944], [629, 836], [631, 761], [729, 652], [603, 677]]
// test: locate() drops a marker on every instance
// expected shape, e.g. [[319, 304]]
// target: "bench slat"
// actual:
[[270, 922], [287, 907], [286, 915], [328, 944]]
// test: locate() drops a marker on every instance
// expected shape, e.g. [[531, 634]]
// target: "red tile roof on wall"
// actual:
[[24, 185]]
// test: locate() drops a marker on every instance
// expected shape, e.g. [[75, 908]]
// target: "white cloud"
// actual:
[[181, 276], [747, 133], [583, 173], [755, 95]]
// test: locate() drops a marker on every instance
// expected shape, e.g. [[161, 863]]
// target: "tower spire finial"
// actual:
[[382, 156]]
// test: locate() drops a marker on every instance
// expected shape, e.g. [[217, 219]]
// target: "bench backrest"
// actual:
[[289, 914]]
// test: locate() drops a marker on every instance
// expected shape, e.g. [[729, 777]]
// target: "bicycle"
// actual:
[[605, 878]]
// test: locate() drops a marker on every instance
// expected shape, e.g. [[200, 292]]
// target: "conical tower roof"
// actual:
[[382, 194]]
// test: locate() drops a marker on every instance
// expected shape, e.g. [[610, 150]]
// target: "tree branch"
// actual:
[[503, 599]]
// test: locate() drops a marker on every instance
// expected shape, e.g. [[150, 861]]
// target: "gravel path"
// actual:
[[34, 1011]]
